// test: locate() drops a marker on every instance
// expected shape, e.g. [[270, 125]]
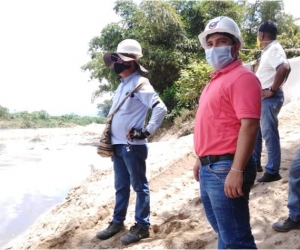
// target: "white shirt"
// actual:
[[134, 110], [271, 58]]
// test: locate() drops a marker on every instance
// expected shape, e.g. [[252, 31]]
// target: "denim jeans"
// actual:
[[269, 132], [130, 169], [230, 218], [294, 189]]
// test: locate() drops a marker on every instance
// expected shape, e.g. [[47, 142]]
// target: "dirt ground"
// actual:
[[177, 216]]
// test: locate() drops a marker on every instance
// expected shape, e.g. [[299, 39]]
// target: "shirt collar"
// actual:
[[129, 78], [270, 44]]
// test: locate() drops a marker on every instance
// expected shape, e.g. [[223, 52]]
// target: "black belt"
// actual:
[[214, 158]]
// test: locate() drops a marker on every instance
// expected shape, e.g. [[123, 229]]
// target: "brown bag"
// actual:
[[104, 148]]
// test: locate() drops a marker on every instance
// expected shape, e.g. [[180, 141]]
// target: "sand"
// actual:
[[177, 216]]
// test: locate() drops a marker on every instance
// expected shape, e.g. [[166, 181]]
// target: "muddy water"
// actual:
[[36, 173]]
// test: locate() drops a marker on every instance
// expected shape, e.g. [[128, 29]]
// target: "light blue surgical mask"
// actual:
[[219, 57]]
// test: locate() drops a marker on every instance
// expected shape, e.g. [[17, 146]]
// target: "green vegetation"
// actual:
[[41, 119], [104, 108], [168, 32]]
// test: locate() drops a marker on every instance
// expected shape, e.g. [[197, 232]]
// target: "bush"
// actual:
[[184, 115], [41, 119], [192, 81], [4, 113]]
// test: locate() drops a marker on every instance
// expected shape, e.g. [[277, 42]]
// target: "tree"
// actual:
[[212, 9], [158, 28], [272, 10], [251, 23], [191, 17], [4, 113], [104, 108], [259, 11], [191, 83], [168, 33], [43, 115]]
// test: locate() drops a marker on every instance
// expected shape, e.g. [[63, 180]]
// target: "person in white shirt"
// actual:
[[129, 135], [272, 71]]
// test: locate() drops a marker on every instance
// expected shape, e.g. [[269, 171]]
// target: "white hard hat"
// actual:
[[127, 50], [130, 46], [221, 24]]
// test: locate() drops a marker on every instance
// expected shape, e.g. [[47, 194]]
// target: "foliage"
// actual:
[[184, 115], [191, 17], [41, 119], [4, 113], [211, 9], [191, 83], [168, 96], [259, 11], [289, 36], [159, 29], [271, 10], [112, 34], [168, 32], [43, 115], [104, 108], [251, 23]]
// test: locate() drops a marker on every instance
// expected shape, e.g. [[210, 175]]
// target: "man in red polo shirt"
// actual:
[[226, 126]]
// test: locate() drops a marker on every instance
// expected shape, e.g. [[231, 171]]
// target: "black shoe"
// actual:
[[259, 168], [135, 234], [269, 177], [286, 226], [110, 231]]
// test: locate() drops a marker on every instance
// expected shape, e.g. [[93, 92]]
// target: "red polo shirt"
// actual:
[[233, 93]]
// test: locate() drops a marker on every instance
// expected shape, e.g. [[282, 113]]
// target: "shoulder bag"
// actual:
[[104, 148]]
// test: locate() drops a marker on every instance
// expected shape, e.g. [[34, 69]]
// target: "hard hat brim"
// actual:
[[204, 34], [109, 63]]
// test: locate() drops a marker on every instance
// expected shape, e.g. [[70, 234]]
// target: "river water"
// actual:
[[37, 170]]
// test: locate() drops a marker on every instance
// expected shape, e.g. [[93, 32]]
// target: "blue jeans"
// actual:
[[130, 169], [294, 189], [230, 218], [269, 132]]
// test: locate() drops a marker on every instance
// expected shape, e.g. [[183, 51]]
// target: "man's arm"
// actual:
[[245, 146], [281, 73], [159, 111]]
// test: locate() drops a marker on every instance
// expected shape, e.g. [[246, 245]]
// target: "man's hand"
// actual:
[[196, 172], [233, 185], [266, 93], [137, 133], [196, 169]]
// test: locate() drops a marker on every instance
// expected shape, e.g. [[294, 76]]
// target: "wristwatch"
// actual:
[[272, 90]]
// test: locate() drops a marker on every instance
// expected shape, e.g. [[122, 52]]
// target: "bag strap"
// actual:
[[134, 90]]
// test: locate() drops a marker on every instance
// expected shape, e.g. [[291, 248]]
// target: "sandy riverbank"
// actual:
[[177, 216]]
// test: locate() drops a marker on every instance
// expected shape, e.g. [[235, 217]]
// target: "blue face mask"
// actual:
[[219, 57]]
